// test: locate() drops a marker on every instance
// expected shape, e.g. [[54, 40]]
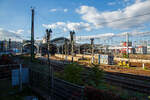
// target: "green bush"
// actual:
[[72, 73], [75, 73], [95, 76]]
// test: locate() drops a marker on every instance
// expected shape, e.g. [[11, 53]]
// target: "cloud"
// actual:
[[17, 32], [53, 10], [76, 26], [98, 19], [110, 35], [111, 3], [97, 36], [6, 34], [65, 10]]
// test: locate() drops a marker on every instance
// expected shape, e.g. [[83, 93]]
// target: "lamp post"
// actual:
[[9, 44], [66, 49], [51, 78], [72, 33], [92, 49]]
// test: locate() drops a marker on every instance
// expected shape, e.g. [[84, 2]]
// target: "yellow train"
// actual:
[[124, 64]]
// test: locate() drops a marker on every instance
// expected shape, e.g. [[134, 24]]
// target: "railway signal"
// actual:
[[92, 49], [48, 32], [66, 49], [72, 33]]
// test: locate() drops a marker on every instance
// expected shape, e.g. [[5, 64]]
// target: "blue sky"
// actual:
[[83, 16]]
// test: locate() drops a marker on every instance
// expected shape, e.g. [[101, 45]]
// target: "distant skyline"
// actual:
[[88, 18]]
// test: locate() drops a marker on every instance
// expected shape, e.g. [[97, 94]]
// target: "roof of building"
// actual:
[[60, 38]]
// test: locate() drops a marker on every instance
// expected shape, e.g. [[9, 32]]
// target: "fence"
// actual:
[[5, 70], [62, 90], [12, 79]]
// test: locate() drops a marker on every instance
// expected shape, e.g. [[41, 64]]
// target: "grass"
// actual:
[[35, 64], [126, 94], [147, 69], [103, 86]]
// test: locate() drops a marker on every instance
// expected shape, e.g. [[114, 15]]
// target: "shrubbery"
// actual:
[[75, 73], [97, 94], [72, 73], [95, 76]]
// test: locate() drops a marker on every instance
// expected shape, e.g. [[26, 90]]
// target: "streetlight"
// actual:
[[48, 32], [72, 33], [92, 49]]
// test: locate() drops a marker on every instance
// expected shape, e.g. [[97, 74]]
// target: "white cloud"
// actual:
[[110, 35], [6, 34], [77, 26], [17, 32], [92, 15], [53, 10], [111, 3], [65, 10], [97, 36]]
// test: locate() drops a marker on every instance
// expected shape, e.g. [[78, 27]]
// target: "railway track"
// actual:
[[127, 81], [144, 78]]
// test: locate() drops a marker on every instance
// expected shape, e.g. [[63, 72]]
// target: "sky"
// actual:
[[99, 19]]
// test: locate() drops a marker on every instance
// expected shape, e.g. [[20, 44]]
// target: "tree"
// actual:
[[72, 73], [95, 75]]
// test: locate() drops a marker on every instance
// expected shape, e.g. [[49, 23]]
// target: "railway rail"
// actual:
[[127, 81]]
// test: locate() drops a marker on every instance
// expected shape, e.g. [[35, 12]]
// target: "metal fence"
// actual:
[[5, 70], [12, 78], [62, 90]]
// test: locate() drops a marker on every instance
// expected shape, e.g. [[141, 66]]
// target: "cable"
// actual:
[[44, 18], [124, 18], [121, 19]]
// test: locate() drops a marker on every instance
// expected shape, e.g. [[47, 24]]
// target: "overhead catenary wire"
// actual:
[[121, 19], [113, 21]]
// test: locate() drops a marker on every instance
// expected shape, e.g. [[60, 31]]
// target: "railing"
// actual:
[[62, 90]]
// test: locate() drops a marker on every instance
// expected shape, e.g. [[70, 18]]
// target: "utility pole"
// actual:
[[79, 49], [72, 33], [127, 44], [32, 35], [65, 49], [51, 78], [92, 49], [62, 51], [5, 41], [2, 46], [9, 44]]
